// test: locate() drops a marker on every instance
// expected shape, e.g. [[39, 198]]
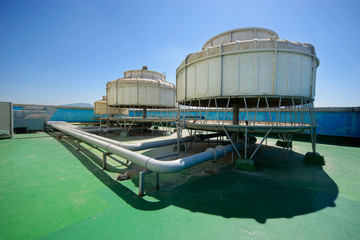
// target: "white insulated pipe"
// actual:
[[103, 129], [90, 129], [149, 163], [134, 146]]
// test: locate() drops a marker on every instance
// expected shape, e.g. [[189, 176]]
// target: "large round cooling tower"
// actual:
[[248, 63], [141, 88]]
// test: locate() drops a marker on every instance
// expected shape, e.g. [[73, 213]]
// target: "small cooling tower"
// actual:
[[147, 96], [141, 88], [101, 108]]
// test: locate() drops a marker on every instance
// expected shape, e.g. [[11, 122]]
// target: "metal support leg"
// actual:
[[178, 134], [142, 175], [157, 180], [59, 136], [195, 142], [235, 114], [246, 142], [313, 139], [78, 145], [141, 183], [287, 138], [104, 160], [144, 112], [314, 157]]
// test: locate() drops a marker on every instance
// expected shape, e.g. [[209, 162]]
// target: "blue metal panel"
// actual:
[[345, 124], [20, 123], [73, 115], [35, 124], [18, 114]]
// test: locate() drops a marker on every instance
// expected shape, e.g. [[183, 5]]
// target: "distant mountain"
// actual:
[[86, 105]]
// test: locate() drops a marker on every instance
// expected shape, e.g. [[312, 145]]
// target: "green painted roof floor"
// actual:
[[48, 190]]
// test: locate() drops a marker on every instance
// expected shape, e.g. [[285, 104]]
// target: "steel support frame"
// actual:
[[299, 114], [259, 145], [232, 143], [277, 116]]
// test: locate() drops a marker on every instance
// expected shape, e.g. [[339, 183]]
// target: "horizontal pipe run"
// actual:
[[169, 155], [92, 129], [135, 146], [95, 130], [149, 163]]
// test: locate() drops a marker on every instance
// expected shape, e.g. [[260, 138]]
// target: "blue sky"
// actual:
[[65, 51]]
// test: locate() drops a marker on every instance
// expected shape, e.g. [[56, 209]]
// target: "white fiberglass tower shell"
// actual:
[[249, 63], [141, 88]]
